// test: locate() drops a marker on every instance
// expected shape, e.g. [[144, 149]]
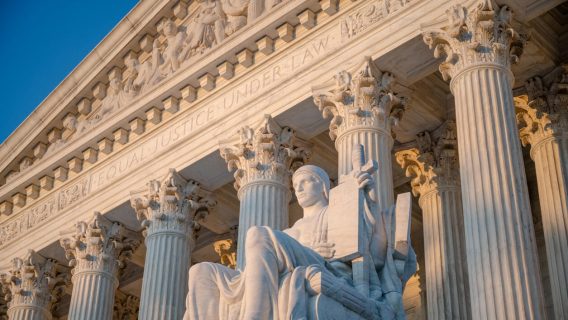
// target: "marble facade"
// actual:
[[183, 128]]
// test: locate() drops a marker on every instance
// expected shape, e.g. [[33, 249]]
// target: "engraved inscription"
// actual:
[[183, 128]]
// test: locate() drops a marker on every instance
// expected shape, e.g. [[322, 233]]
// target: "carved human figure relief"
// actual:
[[171, 58]]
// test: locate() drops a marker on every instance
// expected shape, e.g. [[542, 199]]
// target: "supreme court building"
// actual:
[[182, 129]]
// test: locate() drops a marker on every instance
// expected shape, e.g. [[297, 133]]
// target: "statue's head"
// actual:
[[311, 185]]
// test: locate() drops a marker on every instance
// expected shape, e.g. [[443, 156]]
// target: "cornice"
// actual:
[[81, 76]]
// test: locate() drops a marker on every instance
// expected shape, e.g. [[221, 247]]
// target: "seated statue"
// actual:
[[295, 273]]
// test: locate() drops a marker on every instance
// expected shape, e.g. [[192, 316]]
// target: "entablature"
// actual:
[[262, 68]]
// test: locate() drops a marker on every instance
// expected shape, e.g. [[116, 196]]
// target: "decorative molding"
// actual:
[[172, 204], [364, 98], [43, 211], [35, 282], [111, 167], [125, 306], [543, 113], [100, 245], [434, 163], [270, 152], [363, 18], [483, 35]]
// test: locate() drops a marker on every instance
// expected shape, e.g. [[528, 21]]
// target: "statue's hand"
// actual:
[[325, 249], [365, 180]]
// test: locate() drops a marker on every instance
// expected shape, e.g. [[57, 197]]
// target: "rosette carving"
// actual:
[[270, 152], [482, 35], [101, 245], [434, 163], [173, 203], [361, 99]]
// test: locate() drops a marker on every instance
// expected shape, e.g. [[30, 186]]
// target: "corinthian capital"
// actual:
[[270, 152], [34, 281], [484, 34], [543, 112], [364, 98], [100, 245], [172, 203], [434, 163]]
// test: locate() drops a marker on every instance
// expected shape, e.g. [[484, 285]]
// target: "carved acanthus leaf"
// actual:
[[100, 244], [172, 203], [544, 111], [434, 163], [125, 306], [484, 34], [270, 152], [361, 99], [35, 281]]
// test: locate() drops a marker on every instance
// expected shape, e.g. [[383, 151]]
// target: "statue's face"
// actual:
[[309, 189]]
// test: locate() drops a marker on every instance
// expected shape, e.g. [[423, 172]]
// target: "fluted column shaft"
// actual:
[[377, 144], [263, 203], [166, 266], [542, 116], [446, 276], [264, 159], [28, 313], [499, 233], [93, 294], [169, 209], [364, 108], [435, 177], [551, 161], [97, 250], [480, 42]]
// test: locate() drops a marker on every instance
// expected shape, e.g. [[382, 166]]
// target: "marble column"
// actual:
[[263, 160], [543, 118], [169, 210], [363, 108], [435, 178], [97, 250], [33, 286], [480, 44]]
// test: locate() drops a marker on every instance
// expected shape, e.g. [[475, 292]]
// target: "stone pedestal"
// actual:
[[434, 169], [97, 251], [480, 44], [169, 210], [33, 286], [363, 108], [543, 119], [264, 160]]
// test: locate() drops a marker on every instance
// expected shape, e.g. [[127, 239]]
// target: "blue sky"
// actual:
[[41, 41]]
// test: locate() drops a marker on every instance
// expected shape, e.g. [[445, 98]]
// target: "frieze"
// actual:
[[175, 46], [183, 126], [359, 21], [43, 211]]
